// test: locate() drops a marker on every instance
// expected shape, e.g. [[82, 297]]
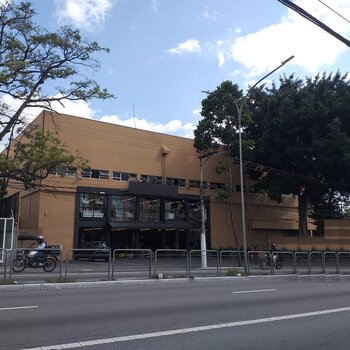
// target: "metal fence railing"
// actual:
[[3, 254], [172, 263], [133, 260], [90, 255], [196, 259]]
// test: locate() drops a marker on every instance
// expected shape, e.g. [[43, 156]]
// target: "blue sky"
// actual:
[[164, 52]]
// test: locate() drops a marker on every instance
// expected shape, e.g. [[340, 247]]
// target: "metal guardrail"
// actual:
[[70, 251], [235, 254], [206, 252], [146, 253], [177, 261], [4, 253], [181, 253]]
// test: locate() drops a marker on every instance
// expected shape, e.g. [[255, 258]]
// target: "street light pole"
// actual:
[[203, 235], [202, 159], [239, 112]]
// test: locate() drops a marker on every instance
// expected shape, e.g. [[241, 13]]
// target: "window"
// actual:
[[144, 178], [216, 185], [63, 171], [150, 209], [92, 205], [123, 208], [132, 177], [71, 171], [119, 176], [157, 179], [170, 181], [175, 211], [86, 173], [103, 174], [194, 183], [194, 212], [181, 182]]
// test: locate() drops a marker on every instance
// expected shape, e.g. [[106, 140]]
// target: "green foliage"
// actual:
[[32, 159], [219, 124], [235, 272], [32, 60], [301, 135]]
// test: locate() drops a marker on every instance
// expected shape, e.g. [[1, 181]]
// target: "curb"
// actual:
[[97, 284]]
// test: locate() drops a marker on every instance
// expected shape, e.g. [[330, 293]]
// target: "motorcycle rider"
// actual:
[[273, 253], [38, 255]]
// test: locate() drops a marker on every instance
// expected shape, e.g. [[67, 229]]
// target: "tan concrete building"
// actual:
[[141, 190]]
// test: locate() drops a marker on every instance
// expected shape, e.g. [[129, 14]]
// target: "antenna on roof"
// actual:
[[133, 109]]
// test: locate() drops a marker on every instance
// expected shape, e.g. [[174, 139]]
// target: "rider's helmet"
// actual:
[[273, 246], [41, 239]]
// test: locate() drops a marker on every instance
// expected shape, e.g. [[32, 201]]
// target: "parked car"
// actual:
[[95, 250]]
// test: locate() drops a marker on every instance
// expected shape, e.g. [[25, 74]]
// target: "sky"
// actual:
[[164, 53]]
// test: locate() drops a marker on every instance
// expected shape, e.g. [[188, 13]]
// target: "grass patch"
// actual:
[[235, 272], [7, 282]]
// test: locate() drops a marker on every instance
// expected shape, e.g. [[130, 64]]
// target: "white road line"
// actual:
[[254, 291], [18, 308], [189, 330]]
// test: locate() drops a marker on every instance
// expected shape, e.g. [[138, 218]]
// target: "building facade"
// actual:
[[141, 189]]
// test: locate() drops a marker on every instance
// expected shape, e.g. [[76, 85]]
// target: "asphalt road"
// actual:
[[249, 313]]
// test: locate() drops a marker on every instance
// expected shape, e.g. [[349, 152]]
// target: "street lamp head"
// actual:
[[287, 60]]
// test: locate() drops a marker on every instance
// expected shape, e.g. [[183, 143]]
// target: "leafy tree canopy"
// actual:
[[219, 126], [31, 60], [301, 135]]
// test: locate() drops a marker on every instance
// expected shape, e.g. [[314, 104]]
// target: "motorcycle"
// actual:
[[266, 261], [25, 259]]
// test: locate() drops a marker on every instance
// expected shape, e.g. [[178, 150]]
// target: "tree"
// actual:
[[301, 134], [217, 131], [32, 159], [31, 60]]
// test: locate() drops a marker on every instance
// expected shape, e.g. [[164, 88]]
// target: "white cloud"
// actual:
[[77, 108], [312, 47], [173, 127], [187, 47], [221, 58], [154, 4], [212, 16], [85, 14], [83, 109]]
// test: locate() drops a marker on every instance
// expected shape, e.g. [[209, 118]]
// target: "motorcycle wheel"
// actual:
[[18, 265], [278, 265], [50, 265], [263, 264]]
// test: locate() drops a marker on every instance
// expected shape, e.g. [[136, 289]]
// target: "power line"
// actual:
[[314, 20], [337, 13]]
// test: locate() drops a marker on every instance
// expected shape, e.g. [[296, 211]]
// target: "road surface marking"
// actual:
[[254, 291], [18, 308], [188, 330]]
